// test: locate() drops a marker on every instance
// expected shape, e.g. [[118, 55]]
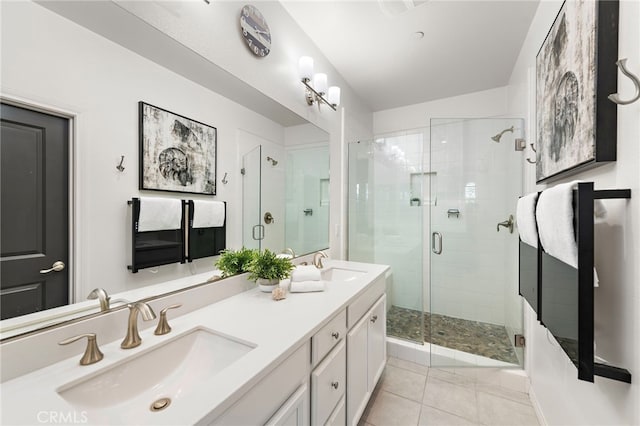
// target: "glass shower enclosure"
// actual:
[[435, 204]]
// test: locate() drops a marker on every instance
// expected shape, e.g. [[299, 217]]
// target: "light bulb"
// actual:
[[334, 95], [320, 83], [305, 67]]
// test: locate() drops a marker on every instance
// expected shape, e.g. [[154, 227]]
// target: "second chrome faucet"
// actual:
[[132, 339]]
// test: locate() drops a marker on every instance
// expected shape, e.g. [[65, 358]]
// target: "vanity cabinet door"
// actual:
[[357, 371], [376, 342], [294, 412]]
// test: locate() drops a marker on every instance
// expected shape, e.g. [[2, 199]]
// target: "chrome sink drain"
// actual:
[[160, 404]]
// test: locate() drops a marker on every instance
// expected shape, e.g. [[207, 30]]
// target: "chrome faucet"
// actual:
[[317, 259], [132, 339], [102, 296]]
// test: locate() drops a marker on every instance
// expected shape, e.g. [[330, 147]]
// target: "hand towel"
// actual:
[[157, 214], [554, 215], [284, 256], [526, 219], [306, 273], [208, 214], [285, 284], [306, 286]]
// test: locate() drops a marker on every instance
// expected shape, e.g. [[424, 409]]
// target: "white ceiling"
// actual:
[[467, 46]]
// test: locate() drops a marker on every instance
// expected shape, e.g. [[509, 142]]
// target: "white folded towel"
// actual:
[[306, 273], [208, 214], [306, 286], [157, 214], [526, 219], [284, 256], [554, 215], [285, 284]]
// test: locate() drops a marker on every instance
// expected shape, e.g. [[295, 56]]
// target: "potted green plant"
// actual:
[[267, 269], [232, 262]]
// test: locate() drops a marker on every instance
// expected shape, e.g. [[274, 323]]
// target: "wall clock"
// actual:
[[255, 30]]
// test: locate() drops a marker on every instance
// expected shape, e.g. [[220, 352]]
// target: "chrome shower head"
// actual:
[[497, 137], [273, 161]]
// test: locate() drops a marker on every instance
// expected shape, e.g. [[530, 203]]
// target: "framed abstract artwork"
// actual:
[[575, 72], [176, 153]]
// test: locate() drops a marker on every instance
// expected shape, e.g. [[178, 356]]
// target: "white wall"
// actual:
[[561, 397], [49, 60], [486, 103]]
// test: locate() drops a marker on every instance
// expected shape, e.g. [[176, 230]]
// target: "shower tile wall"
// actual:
[[307, 178], [467, 279]]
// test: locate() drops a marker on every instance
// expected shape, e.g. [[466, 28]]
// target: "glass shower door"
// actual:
[[385, 222], [474, 308], [252, 229]]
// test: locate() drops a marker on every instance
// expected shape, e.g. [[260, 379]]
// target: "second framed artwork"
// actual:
[[575, 72], [177, 153]]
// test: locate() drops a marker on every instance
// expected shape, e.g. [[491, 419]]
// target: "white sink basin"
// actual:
[[341, 274], [165, 371]]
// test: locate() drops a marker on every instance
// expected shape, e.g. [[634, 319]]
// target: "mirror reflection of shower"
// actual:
[[497, 137], [272, 160]]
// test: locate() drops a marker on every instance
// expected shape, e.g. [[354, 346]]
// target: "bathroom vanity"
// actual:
[[312, 358]]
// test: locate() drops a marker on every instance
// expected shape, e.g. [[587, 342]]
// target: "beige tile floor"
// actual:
[[409, 394]]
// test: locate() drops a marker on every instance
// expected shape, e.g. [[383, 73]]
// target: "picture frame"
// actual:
[[177, 154], [576, 125]]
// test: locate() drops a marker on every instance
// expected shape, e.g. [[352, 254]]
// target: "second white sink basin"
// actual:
[[165, 371], [341, 274]]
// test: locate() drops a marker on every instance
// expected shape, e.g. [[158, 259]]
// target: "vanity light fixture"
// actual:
[[316, 85]]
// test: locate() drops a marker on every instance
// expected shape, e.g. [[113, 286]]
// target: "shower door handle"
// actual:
[[433, 242], [260, 229]]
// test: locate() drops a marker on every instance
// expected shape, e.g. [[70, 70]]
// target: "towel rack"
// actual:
[[205, 242], [155, 248], [561, 280]]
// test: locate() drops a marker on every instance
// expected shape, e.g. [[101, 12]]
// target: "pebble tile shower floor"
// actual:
[[479, 338]]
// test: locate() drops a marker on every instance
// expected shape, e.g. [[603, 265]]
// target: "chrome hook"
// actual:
[[529, 160], [622, 64], [224, 179]]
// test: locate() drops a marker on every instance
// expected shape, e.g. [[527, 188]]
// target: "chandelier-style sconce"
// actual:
[[316, 85]]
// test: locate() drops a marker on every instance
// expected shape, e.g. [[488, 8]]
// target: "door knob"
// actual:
[[268, 218], [56, 267]]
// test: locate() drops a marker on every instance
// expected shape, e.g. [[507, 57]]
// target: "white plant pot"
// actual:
[[267, 285]]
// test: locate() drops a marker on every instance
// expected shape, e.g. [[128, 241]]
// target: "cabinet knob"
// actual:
[[335, 385], [335, 335], [374, 318]]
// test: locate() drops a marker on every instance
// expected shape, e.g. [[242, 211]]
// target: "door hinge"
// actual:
[[520, 341], [242, 171]]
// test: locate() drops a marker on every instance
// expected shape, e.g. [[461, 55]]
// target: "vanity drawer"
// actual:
[[361, 305], [328, 384], [328, 336], [337, 418]]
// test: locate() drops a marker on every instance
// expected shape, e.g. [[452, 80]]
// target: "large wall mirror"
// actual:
[[257, 138]]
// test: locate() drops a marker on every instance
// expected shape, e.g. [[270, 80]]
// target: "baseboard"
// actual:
[[536, 407]]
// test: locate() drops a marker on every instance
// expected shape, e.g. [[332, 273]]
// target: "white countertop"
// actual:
[[276, 328]]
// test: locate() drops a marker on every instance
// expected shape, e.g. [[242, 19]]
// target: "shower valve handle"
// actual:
[[507, 224]]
